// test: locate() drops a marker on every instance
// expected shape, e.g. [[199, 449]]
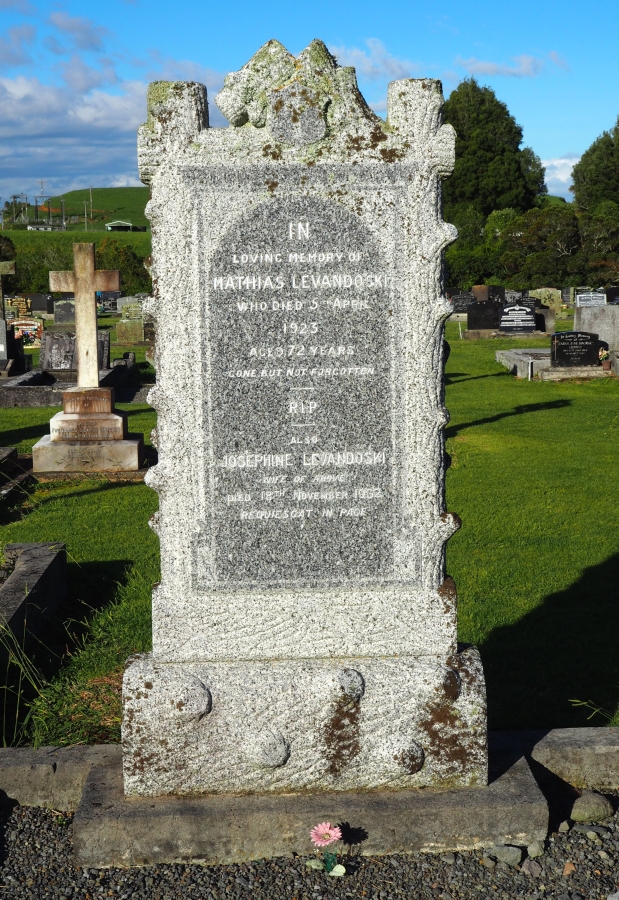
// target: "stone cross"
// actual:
[[6, 268], [84, 280]]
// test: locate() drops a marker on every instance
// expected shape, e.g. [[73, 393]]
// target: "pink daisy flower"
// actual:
[[324, 834]]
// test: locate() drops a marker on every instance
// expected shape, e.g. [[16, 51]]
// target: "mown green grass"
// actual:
[[536, 563], [534, 479]]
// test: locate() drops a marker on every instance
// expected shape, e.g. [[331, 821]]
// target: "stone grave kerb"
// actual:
[[256, 645]]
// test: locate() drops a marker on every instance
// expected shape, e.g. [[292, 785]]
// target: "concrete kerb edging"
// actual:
[[110, 830]]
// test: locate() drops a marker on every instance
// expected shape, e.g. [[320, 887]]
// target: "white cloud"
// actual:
[[526, 67], [13, 47], [375, 62], [559, 174], [82, 78], [84, 33], [559, 60]]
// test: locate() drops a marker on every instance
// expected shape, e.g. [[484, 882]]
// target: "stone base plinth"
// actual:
[[107, 426], [282, 726], [111, 830], [88, 456]]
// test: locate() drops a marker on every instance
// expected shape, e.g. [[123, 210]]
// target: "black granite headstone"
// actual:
[[575, 348], [517, 319], [612, 295], [41, 303], [484, 316], [461, 302]]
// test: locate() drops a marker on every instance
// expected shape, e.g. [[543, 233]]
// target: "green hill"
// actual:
[[108, 205]]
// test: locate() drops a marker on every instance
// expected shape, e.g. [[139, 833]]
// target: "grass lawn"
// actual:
[[534, 479]]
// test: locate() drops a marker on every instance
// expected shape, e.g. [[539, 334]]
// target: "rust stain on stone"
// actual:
[[341, 734]]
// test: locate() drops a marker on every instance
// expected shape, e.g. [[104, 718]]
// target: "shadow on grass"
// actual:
[[564, 649], [25, 433], [18, 508], [464, 376], [91, 587], [516, 411]]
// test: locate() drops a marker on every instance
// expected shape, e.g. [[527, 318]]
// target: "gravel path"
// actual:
[[38, 865]]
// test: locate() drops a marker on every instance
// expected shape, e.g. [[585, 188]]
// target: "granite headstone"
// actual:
[[485, 315], [485, 293], [58, 351], [304, 629], [591, 298], [575, 348], [519, 318], [461, 302], [64, 311]]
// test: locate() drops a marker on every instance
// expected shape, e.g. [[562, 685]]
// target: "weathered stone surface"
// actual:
[[584, 757], [601, 320], [591, 807], [303, 725], [299, 310], [34, 591], [51, 777], [111, 830], [88, 400], [87, 427], [88, 456]]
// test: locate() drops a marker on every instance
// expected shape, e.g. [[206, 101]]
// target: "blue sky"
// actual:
[[73, 75]]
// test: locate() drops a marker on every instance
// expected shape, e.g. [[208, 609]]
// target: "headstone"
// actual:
[[461, 302], [58, 351], [7, 267], [513, 297], [575, 348], [4, 354], [592, 298], [88, 435], [517, 319], [612, 295], [484, 316], [304, 630], [41, 303], [550, 297], [64, 311], [601, 320], [130, 329], [567, 296], [485, 293]]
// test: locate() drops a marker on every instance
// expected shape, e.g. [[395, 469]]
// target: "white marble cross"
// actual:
[[84, 281]]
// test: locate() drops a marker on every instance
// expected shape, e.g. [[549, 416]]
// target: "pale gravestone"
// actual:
[[7, 267], [130, 329], [304, 630], [88, 435]]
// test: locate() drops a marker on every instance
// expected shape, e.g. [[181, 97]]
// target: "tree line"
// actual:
[[510, 231], [35, 261]]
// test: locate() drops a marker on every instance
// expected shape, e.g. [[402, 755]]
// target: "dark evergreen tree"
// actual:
[[491, 170], [596, 176]]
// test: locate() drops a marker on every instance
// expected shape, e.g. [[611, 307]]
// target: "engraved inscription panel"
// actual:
[[301, 407]]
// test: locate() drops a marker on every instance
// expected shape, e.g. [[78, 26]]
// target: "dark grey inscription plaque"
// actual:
[[301, 323]]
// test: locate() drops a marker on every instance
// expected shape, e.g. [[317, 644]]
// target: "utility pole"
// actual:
[[91, 202], [85, 219], [62, 207]]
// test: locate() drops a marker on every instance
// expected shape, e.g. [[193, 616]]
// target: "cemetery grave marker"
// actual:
[[575, 348], [592, 298], [304, 630], [484, 315], [88, 435], [517, 319]]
